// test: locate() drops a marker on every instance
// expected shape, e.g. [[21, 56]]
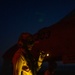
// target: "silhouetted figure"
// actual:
[[18, 59]]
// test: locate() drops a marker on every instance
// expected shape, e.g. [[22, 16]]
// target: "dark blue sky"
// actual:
[[29, 16]]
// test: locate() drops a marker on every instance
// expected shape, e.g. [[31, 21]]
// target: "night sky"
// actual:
[[29, 16]]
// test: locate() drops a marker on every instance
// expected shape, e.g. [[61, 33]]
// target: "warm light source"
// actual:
[[47, 54]]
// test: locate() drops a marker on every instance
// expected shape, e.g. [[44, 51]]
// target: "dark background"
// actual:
[[17, 16]]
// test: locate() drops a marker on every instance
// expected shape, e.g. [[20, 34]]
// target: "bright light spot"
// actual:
[[47, 54]]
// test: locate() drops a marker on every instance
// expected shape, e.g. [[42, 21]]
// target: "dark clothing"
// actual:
[[8, 55], [9, 59], [7, 66]]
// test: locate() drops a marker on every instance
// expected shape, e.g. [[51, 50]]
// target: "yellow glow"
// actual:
[[20, 63], [27, 73]]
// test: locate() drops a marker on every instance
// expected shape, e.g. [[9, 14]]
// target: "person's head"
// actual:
[[26, 39]]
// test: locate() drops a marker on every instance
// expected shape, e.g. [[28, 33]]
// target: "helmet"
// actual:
[[25, 38]]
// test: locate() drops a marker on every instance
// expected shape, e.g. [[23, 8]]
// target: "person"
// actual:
[[23, 60], [46, 63], [18, 59]]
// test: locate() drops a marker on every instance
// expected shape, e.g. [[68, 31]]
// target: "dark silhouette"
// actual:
[[58, 41]]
